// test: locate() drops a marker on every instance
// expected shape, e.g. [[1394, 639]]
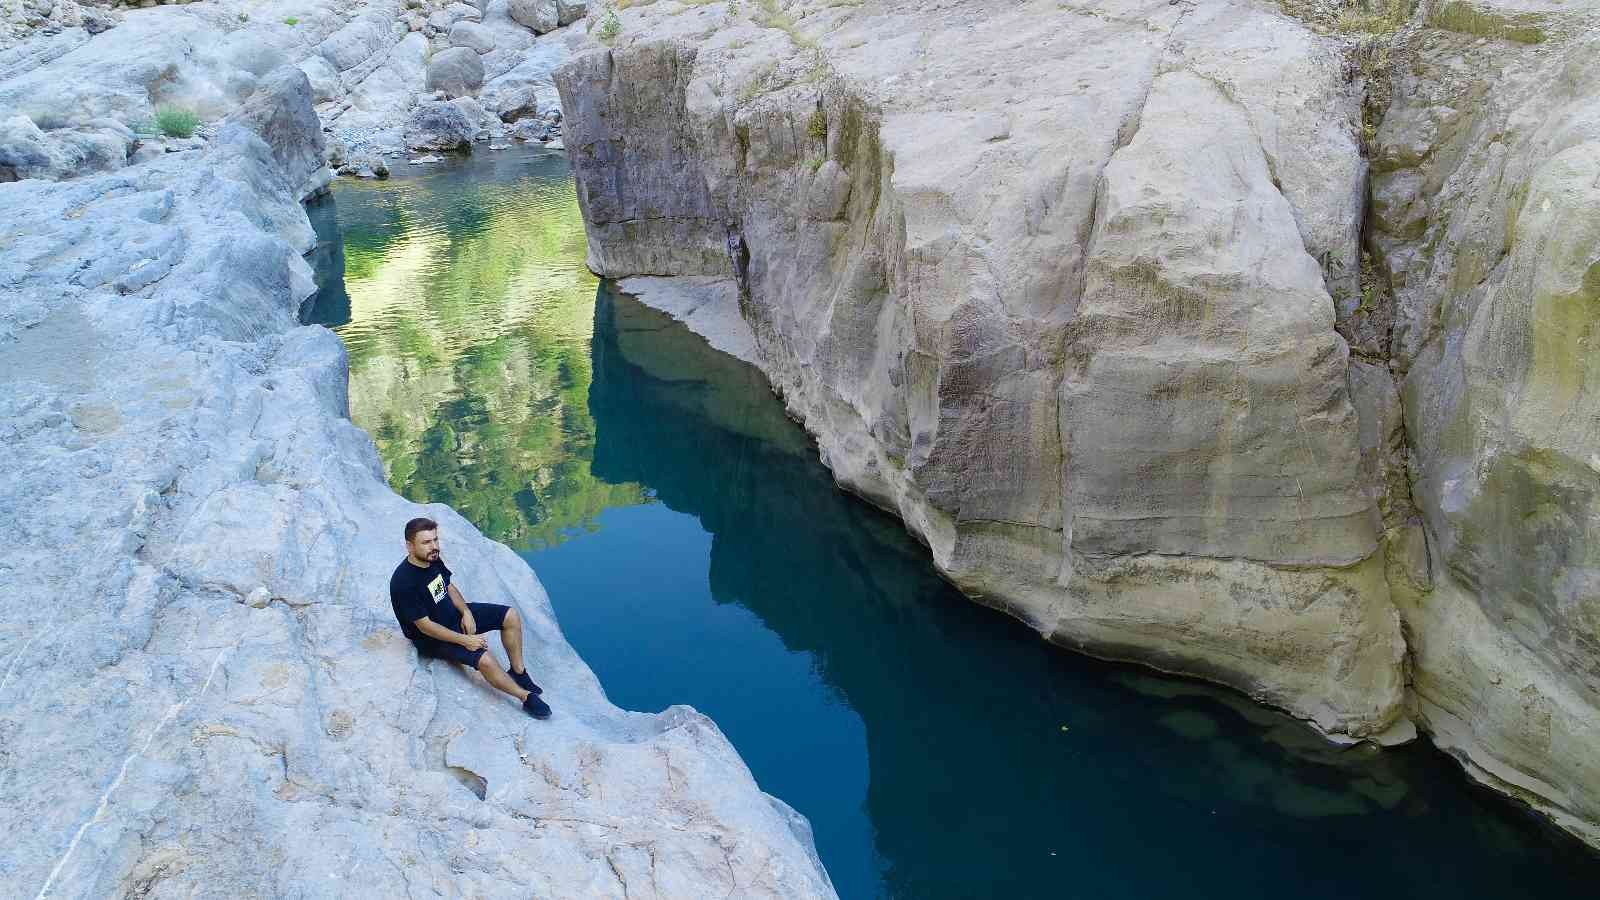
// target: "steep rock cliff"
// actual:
[[1073, 289], [1051, 283]]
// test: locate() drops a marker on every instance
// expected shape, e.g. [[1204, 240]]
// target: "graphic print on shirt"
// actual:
[[436, 588]]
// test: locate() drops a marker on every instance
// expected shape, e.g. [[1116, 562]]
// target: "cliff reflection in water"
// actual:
[[974, 760], [467, 310]]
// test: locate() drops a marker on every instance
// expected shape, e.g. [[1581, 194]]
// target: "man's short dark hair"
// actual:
[[421, 523]]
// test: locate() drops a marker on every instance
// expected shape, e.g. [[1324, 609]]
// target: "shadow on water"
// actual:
[[996, 764], [697, 552], [330, 305]]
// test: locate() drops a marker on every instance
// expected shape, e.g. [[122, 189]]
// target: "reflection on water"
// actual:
[[467, 310], [938, 748]]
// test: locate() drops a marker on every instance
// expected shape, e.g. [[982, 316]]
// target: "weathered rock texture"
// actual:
[[202, 689], [92, 97], [1073, 288], [1080, 341], [1486, 237]]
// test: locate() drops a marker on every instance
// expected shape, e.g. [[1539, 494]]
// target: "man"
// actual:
[[443, 625]]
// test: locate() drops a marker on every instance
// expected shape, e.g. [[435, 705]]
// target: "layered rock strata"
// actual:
[[202, 689], [1073, 290]]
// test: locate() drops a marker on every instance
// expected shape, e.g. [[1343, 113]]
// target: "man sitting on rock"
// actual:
[[443, 625]]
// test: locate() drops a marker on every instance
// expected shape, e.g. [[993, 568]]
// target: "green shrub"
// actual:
[[610, 27], [176, 121], [818, 126], [291, 21], [1464, 19]]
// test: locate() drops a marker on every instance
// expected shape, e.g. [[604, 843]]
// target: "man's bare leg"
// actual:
[[497, 676], [511, 636]]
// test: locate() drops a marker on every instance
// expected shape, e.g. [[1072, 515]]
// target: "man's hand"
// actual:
[[472, 642], [468, 626]]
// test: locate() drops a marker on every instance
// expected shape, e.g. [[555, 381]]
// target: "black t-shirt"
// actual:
[[414, 591]]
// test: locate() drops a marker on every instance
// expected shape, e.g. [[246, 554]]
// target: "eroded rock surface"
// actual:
[[204, 691], [93, 97], [1486, 231], [1074, 290], [1067, 315]]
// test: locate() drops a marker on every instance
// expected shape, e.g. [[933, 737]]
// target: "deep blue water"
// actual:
[[940, 749]]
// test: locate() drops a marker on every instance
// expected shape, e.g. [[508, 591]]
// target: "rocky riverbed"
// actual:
[[1244, 340], [202, 688]]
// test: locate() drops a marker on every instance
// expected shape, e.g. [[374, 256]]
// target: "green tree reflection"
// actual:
[[471, 316]]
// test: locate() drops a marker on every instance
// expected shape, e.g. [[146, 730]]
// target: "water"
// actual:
[[697, 552]]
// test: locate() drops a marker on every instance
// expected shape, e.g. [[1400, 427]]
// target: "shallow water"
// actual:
[[696, 552]]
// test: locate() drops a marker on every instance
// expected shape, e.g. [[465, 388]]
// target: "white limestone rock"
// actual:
[[1068, 320], [1080, 320], [244, 717]]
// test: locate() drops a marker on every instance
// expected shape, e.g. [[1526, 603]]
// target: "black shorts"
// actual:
[[487, 616]]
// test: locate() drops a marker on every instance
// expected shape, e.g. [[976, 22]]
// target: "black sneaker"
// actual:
[[535, 707], [526, 683]]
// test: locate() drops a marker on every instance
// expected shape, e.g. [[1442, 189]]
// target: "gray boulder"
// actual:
[[456, 71], [324, 79], [440, 125], [569, 11], [280, 112], [540, 16], [511, 100], [472, 35], [25, 152]]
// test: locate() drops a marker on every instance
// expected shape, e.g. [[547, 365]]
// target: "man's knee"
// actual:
[[486, 663], [512, 619]]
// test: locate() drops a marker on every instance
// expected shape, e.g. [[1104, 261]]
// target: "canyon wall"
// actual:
[[203, 690], [1165, 329]]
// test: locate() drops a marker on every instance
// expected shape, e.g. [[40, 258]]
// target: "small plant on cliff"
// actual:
[[1373, 16], [176, 121], [291, 21], [818, 126], [610, 27]]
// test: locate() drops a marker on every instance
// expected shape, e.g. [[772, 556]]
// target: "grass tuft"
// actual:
[[176, 121], [610, 27]]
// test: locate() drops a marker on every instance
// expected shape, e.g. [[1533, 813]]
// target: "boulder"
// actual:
[[324, 79], [456, 71], [25, 152], [569, 11], [440, 125], [472, 35], [280, 112], [510, 101], [540, 16]]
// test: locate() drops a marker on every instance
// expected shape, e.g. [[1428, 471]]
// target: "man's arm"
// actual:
[[468, 624], [434, 630]]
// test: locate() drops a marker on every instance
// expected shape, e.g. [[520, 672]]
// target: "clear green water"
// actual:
[[697, 552]]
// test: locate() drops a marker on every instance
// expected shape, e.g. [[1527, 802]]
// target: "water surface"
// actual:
[[696, 552]]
